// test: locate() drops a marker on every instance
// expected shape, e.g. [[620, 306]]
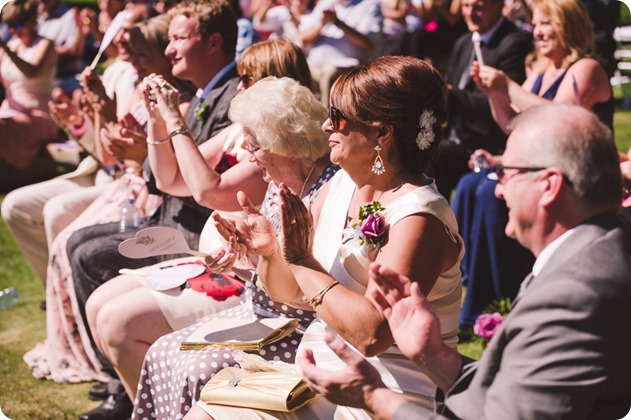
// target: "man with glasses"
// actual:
[[471, 124], [563, 351]]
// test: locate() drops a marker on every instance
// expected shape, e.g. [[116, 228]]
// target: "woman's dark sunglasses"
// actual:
[[338, 119]]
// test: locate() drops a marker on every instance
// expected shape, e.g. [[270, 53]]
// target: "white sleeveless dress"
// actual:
[[350, 268]]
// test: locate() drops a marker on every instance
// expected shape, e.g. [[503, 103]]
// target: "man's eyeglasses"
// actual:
[[502, 178], [338, 119]]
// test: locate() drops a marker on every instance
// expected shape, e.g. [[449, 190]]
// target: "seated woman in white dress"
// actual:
[[384, 125]]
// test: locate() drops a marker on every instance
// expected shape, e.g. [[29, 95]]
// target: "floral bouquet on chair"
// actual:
[[487, 323]]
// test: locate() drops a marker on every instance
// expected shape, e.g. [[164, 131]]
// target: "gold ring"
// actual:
[[292, 222], [163, 84]]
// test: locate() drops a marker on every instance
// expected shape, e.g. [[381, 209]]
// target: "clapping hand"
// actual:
[[121, 146], [414, 326], [221, 260], [130, 127], [351, 386], [160, 97], [96, 96], [252, 235], [66, 111], [297, 227]]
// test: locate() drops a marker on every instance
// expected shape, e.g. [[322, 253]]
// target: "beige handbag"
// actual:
[[277, 391]]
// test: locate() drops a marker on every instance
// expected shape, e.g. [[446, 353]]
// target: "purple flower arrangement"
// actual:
[[489, 322]]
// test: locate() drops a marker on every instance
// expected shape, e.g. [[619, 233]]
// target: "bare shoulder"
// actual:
[[585, 63], [589, 69], [587, 79]]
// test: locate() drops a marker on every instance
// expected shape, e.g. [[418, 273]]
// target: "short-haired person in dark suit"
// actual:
[[471, 124], [563, 350]]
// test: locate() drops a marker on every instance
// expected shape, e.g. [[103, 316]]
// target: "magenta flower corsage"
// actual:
[[369, 228]]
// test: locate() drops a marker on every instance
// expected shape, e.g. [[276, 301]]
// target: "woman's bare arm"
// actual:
[[36, 64]]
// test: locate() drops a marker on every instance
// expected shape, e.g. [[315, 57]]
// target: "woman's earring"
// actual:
[[377, 166]]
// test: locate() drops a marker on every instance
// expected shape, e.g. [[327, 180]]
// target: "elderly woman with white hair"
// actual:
[[281, 123]]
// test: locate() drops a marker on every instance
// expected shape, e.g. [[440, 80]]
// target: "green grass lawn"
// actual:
[[23, 325], [622, 128]]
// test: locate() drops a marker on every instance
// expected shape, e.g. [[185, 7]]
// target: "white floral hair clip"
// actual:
[[426, 134]]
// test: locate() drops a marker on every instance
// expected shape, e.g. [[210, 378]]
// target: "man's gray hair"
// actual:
[[572, 139]]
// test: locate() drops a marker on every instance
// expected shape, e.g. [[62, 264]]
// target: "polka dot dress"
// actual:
[[171, 380]]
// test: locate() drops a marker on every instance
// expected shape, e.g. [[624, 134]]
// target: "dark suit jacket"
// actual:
[[506, 51], [564, 351], [184, 213]]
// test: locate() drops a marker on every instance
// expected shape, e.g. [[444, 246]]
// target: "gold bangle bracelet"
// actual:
[[316, 300], [156, 142], [182, 129]]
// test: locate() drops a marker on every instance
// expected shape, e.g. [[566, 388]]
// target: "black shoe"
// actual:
[[98, 392], [117, 406]]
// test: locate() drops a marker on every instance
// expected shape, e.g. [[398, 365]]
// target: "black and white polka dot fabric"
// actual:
[[171, 380]]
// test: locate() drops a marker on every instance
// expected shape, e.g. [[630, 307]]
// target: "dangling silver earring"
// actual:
[[377, 167]]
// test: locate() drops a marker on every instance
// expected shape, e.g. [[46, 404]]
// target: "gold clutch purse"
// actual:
[[277, 391], [241, 334]]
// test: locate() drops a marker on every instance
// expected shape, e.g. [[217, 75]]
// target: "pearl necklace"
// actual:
[[304, 184]]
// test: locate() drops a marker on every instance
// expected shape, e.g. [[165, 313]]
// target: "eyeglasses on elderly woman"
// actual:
[[251, 149]]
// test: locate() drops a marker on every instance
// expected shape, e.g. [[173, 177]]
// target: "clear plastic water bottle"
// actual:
[[130, 217], [8, 297], [479, 163]]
